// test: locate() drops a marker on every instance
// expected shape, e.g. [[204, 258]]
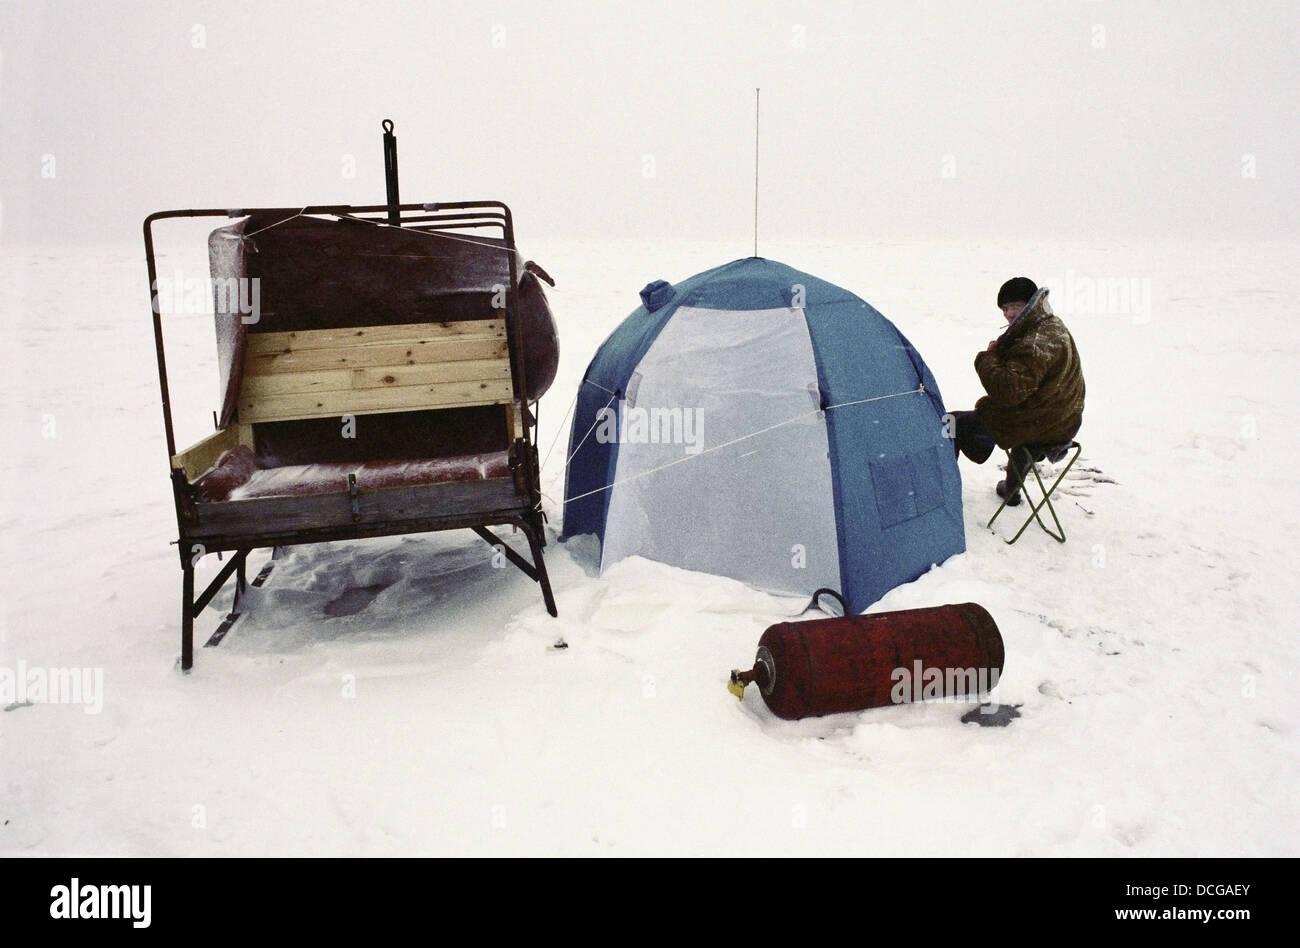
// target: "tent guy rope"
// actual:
[[920, 389]]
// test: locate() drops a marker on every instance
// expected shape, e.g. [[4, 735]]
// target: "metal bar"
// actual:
[[487, 219], [155, 308], [996, 513], [214, 587], [465, 205], [1033, 515], [545, 581], [1059, 536], [756, 102], [333, 210], [512, 330], [187, 618], [518, 370], [536, 571], [467, 228], [390, 174], [241, 583], [495, 541]]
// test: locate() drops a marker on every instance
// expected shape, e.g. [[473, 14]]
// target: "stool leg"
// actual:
[[997, 513], [1014, 474], [1059, 534]]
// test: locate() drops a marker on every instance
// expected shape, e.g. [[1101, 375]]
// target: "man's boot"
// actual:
[[1019, 465]]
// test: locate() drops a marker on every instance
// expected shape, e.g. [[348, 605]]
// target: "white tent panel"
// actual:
[[723, 464]]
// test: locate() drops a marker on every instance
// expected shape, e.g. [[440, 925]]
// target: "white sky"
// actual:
[[1075, 117]]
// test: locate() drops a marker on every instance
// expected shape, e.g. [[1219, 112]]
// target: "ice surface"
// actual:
[[402, 696]]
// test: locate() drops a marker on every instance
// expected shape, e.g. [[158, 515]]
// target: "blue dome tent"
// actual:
[[756, 422]]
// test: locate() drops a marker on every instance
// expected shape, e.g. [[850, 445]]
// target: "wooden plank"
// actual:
[[261, 517], [338, 380], [201, 455], [356, 357], [378, 400], [516, 421], [452, 499], [263, 343], [468, 370], [286, 383], [473, 515]]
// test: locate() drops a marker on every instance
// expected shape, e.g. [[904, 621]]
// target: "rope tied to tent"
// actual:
[[291, 217], [592, 428], [560, 430], [919, 390]]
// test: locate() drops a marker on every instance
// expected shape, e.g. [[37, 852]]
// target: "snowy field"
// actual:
[[401, 696]]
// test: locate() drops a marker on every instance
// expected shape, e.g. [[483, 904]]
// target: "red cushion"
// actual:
[[233, 468], [237, 475]]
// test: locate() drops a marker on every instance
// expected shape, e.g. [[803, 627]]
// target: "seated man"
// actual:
[[1034, 383]]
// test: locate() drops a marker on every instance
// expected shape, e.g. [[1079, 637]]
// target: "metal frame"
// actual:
[[527, 516], [1059, 534]]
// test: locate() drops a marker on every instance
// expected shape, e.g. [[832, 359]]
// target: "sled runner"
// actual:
[[380, 369]]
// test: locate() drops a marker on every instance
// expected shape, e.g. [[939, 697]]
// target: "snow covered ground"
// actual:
[[401, 696]]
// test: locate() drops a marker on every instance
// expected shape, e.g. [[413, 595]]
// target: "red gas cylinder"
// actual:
[[828, 666]]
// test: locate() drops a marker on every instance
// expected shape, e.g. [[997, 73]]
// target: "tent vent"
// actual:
[[656, 294]]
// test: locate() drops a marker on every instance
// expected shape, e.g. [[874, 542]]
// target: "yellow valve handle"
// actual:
[[735, 685]]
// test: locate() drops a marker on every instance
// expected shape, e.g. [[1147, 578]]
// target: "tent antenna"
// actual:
[[756, 94]]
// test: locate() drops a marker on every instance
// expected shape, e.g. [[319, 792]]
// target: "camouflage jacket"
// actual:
[[1033, 379]]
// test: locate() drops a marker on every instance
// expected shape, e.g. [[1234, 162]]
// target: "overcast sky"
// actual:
[[954, 117]]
